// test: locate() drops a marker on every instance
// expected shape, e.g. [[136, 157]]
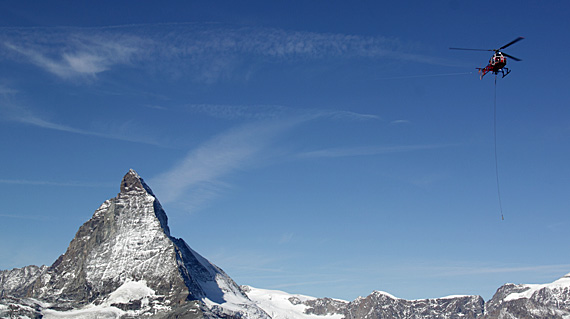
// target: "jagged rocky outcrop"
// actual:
[[323, 306], [531, 301], [382, 305], [13, 281], [124, 260]]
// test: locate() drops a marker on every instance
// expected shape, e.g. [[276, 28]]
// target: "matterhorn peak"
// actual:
[[132, 182], [126, 250]]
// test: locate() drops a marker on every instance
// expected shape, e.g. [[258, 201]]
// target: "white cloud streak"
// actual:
[[203, 168], [272, 112], [240, 112], [25, 217], [369, 150], [22, 115], [199, 177], [4, 90], [85, 56], [211, 51], [52, 183], [201, 172], [398, 122]]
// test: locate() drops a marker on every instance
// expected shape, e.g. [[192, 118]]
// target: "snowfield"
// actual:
[[89, 312], [129, 291], [558, 285], [278, 305], [126, 293]]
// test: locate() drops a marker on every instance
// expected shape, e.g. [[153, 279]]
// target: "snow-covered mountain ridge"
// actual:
[[525, 301], [378, 304], [281, 305], [534, 301], [124, 263]]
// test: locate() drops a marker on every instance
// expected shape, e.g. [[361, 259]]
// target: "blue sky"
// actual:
[[326, 148]]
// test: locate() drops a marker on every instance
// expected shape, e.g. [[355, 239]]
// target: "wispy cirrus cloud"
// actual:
[[26, 182], [75, 56], [25, 217], [199, 176], [123, 131], [202, 170], [241, 112], [273, 112], [399, 122], [209, 51], [370, 150], [5, 90]]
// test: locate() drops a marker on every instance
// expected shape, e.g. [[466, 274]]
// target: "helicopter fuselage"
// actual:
[[496, 64], [498, 61]]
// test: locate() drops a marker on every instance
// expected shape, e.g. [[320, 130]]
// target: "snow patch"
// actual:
[[376, 292], [279, 306], [129, 291], [561, 283], [126, 293], [89, 312]]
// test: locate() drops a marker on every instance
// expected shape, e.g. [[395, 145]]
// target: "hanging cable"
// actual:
[[495, 137]]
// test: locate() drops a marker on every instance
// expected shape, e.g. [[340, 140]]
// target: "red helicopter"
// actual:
[[498, 60]]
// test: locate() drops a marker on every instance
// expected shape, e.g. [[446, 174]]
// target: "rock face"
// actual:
[[382, 305], [13, 281], [531, 301], [126, 249]]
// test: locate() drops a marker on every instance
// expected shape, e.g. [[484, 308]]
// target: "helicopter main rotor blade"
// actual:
[[470, 49], [510, 56], [511, 43]]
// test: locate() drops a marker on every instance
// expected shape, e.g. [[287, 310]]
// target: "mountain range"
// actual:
[[124, 263]]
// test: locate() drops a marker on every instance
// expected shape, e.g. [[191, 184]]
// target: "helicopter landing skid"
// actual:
[[483, 71], [505, 71]]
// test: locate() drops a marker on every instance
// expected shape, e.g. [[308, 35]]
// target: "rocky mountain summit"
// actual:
[[531, 301], [124, 263]]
